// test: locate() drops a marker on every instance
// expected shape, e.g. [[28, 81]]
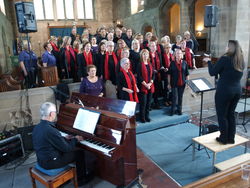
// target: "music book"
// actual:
[[86, 120], [200, 85]]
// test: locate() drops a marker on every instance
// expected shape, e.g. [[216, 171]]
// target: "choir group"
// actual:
[[115, 63]]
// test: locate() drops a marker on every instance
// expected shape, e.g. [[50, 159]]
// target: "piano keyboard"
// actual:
[[98, 146]]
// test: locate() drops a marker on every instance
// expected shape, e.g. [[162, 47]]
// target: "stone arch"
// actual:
[[186, 8], [164, 16]]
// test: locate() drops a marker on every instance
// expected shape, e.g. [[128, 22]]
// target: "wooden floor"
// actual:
[[152, 175]]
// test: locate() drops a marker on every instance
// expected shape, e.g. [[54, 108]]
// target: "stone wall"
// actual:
[[6, 43], [14, 112]]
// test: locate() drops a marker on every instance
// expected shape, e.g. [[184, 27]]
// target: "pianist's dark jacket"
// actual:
[[48, 142]]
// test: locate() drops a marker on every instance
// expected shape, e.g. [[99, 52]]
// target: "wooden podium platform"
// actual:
[[209, 142], [230, 178]]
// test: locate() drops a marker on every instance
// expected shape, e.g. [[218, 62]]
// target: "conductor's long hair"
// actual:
[[235, 52]]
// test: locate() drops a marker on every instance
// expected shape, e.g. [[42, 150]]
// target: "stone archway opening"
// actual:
[[174, 20]]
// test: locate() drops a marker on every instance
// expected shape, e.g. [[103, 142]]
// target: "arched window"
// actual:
[[137, 6], [2, 7]]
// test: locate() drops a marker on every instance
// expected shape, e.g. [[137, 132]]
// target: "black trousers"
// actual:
[[30, 79], [158, 89], [145, 101], [177, 95], [77, 156], [166, 94], [225, 103]]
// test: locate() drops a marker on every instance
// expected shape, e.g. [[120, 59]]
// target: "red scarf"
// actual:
[[155, 61], [145, 78], [76, 50], [131, 85], [188, 57], [106, 64], [68, 53], [179, 67], [88, 58], [156, 64], [158, 48], [119, 53], [167, 59], [54, 46]]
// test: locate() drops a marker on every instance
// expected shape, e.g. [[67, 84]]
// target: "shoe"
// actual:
[[171, 113], [179, 113], [231, 141], [218, 139], [147, 119], [142, 120], [156, 106]]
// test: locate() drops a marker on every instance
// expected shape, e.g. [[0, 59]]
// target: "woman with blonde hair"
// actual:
[[145, 83], [230, 70], [68, 60]]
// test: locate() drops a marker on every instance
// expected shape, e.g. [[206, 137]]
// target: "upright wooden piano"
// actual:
[[116, 158]]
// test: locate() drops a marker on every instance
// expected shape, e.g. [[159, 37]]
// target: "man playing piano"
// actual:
[[52, 149]]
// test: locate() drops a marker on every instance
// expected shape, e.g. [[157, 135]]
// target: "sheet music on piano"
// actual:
[[86, 120]]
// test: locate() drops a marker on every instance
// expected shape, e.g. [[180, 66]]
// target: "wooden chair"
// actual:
[[53, 181]]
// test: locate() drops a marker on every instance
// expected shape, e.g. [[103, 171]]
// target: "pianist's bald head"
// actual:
[[48, 111]]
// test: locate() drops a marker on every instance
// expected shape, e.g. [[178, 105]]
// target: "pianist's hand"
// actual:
[[79, 138]]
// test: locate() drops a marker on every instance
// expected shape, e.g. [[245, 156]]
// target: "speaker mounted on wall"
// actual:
[[25, 14], [211, 16]]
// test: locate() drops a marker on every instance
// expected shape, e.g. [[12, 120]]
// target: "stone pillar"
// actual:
[[233, 24]]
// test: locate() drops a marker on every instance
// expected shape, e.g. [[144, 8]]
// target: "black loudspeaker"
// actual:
[[25, 14], [26, 134], [211, 16]]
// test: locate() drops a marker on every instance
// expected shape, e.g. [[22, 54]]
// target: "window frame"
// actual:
[[44, 14], [75, 11]]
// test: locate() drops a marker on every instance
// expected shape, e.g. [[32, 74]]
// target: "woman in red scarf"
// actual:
[[178, 74], [126, 84], [156, 61], [56, 52], [110, 70], [145, 81], [84, 59], [68, 60], [167, 57]]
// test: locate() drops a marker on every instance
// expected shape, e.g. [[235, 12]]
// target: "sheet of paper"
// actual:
[[201, 85], [86, 120]]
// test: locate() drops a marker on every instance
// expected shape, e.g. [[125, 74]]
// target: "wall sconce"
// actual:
[[199, 29], [118, 22], [198, 33]]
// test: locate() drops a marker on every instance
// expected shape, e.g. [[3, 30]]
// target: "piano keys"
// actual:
[[113, 142]]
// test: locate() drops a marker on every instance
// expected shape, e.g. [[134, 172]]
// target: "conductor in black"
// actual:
[[230, 70]]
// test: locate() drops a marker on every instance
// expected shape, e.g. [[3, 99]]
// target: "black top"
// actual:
[[173, 71], [229, 79], [99, 59], [111, 69], [123, 95], [48, 142], [82, 65], [128, 41], [139, 75], [134, 58], [174, 47]]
